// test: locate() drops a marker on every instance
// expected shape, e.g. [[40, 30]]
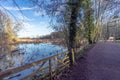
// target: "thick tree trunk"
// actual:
[[72, 32]]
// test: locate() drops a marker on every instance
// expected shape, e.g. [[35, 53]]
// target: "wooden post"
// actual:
[[50, 69], [108, 30], [56, 58], [73, 55]]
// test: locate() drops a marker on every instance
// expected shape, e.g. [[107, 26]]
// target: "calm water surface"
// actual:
[[27, 53]]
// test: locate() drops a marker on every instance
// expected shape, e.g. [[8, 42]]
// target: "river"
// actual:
[[28, 53]]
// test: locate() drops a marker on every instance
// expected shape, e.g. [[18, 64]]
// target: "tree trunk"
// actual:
[[72, 32]]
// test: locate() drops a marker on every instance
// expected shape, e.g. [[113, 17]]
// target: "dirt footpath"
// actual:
[[102, 62]]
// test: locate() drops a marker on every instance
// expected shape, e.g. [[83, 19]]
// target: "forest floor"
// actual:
[[102, 62]]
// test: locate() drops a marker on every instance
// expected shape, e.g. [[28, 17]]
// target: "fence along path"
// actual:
[[48, 67]]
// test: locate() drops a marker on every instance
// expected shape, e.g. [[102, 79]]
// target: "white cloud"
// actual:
[[25, 18], [26, 30], [27, 25], [31, 30], [16, 8]]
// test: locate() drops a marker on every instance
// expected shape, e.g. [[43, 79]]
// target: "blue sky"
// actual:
[[34, 23]]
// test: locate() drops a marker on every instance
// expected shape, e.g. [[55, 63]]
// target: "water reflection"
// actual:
[[27, 53]]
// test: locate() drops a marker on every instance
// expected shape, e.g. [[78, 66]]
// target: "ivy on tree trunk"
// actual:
[[72, 30]]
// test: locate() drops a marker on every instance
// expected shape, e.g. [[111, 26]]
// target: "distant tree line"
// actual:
[[54, 35]]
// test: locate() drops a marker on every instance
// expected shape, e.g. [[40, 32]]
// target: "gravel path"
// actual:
[[102, 62]]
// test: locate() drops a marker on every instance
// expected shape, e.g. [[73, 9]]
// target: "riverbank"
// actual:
[[28, 40]]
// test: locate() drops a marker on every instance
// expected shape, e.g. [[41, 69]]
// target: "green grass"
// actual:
[[117, 41]]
